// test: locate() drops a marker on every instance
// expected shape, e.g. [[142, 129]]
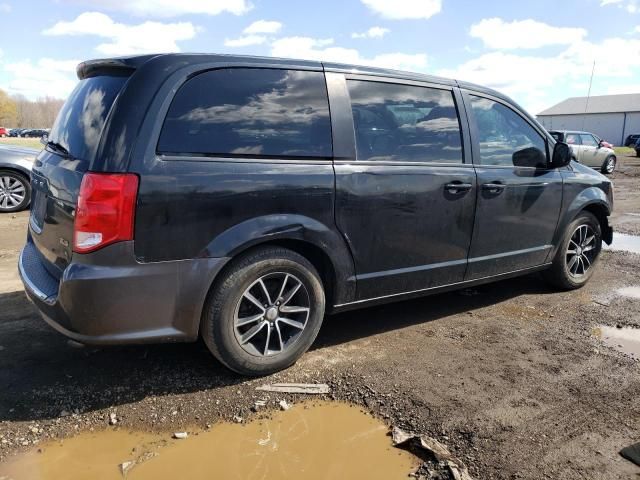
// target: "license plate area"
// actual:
[[38, 203]]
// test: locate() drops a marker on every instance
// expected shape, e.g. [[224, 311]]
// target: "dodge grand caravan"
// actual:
[[242, 198]]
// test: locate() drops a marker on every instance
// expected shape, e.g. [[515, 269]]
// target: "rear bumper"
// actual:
[[108, 298]]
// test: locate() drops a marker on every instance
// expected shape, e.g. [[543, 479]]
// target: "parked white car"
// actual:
[[588, 149]]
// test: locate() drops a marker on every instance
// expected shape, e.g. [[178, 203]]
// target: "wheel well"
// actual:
[[15, 170], [600, 212], [312, 253], [318, 258]]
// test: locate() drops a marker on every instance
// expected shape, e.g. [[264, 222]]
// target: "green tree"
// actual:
[[8, 110]]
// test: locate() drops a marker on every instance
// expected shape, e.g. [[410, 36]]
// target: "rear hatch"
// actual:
[[59, 168]]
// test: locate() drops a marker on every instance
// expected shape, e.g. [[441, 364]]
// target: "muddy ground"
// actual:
[[508, 375]]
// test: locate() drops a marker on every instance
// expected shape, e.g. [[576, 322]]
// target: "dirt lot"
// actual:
[[508, 375]]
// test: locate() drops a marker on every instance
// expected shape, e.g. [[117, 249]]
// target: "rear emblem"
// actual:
[[64, 242]]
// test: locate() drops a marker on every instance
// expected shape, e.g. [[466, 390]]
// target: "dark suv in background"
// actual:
[[241, 198]]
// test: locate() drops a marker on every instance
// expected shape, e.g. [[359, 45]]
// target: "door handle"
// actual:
[[457, 187], [493, 187]]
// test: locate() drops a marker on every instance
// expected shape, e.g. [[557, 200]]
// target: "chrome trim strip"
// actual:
[[508, 254], [400, 271], [31, 286], [366, 300]]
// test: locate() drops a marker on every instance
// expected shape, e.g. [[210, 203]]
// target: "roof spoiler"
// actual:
[[123, 66]]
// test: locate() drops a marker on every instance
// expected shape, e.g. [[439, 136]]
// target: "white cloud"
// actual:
[[373, 32], [536, 81], [45, 77], [321, 49], [498, 34], [245, 41], [126, 39], [630, 6], [173, 8], [5, 8], [254, 34], [623, 89], [404, 9], [263, 26]]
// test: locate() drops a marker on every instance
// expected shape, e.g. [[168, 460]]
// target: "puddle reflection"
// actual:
[[626, 340], [311, 441]]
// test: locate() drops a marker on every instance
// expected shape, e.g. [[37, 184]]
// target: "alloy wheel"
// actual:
[[611, 165], [12, 192], [271, 314], [581, 252]]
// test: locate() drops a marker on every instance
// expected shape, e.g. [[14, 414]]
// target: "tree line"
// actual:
[[17, 111]]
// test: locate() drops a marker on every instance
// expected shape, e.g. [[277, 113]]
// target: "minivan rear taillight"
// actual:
[[106, 206]]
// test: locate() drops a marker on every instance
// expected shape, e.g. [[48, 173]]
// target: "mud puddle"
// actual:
[[312, 441], [629, 292], [624, 242], [626, 339]]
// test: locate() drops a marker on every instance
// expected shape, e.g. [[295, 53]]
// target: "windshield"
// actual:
[[79, 125]]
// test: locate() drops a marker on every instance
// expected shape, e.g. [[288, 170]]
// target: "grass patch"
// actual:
[[22, 142], [624, 151]]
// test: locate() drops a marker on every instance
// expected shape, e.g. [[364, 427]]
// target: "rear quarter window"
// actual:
[[245, 112], [80, 123]]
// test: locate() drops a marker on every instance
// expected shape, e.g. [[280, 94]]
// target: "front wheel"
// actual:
[[15, 192], [577, 254], [265, 311], [609, 165]]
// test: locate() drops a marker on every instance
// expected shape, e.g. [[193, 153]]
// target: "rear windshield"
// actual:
[[80, 122]]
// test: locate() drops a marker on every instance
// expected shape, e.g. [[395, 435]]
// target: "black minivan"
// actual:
[[242, 198]]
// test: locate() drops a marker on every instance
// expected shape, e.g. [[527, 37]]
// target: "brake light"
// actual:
[[106, 207]]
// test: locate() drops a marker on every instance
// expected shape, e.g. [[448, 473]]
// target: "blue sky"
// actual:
[[537, 52]]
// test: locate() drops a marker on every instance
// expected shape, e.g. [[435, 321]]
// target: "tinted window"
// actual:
[[404, 123], [505, 137], [573, 139], [79, 124], [588, 140], [248, 112]]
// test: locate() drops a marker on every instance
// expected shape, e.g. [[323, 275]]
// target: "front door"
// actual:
[[406, 203], [573, 140], [518, 197], [592, 154]]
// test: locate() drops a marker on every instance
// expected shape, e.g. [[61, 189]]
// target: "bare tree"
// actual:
[[8, 110], [40, 113]]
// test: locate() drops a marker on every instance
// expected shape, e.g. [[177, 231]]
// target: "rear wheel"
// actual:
[[578, 253], [15, 191], [265, 312], [609, 165]]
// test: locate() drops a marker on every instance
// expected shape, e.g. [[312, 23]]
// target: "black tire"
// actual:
[[5, 204], [609, 165], [559, 274], [226, 298]]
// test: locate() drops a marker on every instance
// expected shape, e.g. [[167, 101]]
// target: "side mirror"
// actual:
[[44, 139], [561, 155], [529, 157]]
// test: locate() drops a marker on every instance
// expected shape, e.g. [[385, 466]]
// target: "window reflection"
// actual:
[[250, 112], [399, 123], [81, 121], [504, 136]]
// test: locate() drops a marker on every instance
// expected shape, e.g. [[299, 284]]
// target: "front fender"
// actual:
[[279, 227], [576, 200]]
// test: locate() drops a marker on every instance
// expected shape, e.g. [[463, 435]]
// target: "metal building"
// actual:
[[611, 117]]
